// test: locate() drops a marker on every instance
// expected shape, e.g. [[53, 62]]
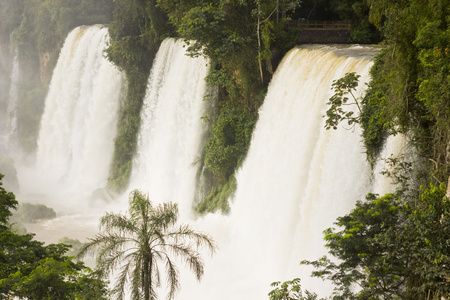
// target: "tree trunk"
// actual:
[[259, 40], [146, 268]]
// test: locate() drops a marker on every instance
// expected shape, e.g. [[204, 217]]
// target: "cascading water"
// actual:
[[297, 178], [78, 127], [172, 130], [12, 102], [76, 138], [8, 121]]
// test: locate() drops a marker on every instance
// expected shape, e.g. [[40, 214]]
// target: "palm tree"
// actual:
[[136, 242]]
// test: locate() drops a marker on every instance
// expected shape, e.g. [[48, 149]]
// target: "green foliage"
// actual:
[[134, 41], [229, 143], [134, 243], [10, 18], [391, 249], [56, 18], [75, 245], [290, 290], [128, 128], [409, 93], [7, 203], [336, 114], [30, 270], [374, 119], [218, 198], [7, 167], [58, 280], [357, 12], [433, 42]]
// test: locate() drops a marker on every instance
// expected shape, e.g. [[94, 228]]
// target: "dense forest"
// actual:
[[394, 246]]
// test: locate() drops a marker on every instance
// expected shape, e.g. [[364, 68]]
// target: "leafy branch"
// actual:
[[343, 87], [290, 290]]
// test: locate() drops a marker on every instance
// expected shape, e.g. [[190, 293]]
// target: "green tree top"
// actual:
[[290, 290], [343, 87], [7, 203], [30, 270], [390, 249]]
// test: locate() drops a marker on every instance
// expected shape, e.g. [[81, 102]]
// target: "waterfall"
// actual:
[[78, 127], [296, 179], [13, 98], [8, 113], [172, 130]]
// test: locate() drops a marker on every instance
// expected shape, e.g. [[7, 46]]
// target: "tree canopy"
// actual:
[[31, 270], [390, 249]]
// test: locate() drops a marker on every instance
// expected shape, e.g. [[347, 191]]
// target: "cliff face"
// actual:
[[5, 70], [44, 68], [5, 55]]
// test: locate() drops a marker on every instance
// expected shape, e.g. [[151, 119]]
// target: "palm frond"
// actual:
[[172, 277], [192, 258], [165, 215], [118, 223], [155, 273], [185, 233], [99, 241], [140, 206], [121, 283]]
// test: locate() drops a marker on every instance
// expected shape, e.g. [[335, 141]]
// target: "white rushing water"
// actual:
[[172, 131], [76, 137], [8, 115], [297, 178], [13, 102], [78, 127]]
